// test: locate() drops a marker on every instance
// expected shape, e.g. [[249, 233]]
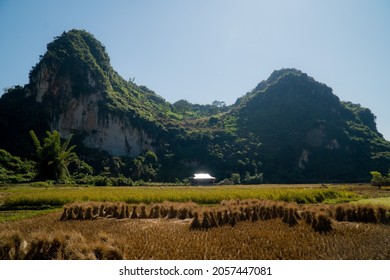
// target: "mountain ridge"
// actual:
[[289, 127], [316, 124]]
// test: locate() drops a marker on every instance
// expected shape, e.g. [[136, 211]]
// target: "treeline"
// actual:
[[231, 160], [189, 110], [227, 156], [230, 157], [55, 160]]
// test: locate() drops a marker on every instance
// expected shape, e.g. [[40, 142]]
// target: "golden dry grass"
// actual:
[[46, 237]]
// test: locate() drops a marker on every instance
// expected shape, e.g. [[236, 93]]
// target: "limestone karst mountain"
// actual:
[[290, 128], [307, 132]]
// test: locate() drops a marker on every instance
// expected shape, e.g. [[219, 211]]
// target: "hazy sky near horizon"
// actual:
[[203, 51]]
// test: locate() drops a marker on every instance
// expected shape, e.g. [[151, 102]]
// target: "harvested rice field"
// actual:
[[230, 229]]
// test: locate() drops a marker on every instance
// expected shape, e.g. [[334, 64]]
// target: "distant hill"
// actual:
[[307, 133], [290, 128]]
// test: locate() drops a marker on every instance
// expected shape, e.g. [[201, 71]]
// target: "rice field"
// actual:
[[49, 237], [385, 201], [40, 198], [255, 222]]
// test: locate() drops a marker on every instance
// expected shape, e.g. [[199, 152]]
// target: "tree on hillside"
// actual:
[[53, 157], [219, 104], [146, 166]]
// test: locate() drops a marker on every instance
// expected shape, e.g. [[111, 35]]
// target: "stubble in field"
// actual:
[[46, 237]]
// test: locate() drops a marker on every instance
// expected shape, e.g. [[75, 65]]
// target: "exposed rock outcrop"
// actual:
[[77, 104]]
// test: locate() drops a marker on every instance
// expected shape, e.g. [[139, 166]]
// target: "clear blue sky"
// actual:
[[217, 49]]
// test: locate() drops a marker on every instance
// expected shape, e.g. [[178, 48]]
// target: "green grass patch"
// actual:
[[14, 215], [384, 201], [32, 197]]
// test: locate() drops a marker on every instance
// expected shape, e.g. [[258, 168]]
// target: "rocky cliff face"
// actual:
[[81, 115], [75, 102]]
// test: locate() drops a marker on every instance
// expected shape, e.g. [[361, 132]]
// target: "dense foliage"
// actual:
[[290, 128], [53, 157], [307, 133], [15, 170], [380, 180]]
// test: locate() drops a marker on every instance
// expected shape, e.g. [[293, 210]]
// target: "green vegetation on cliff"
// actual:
[[307, 133], [76, 57], [14, 169], [290, 128]]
